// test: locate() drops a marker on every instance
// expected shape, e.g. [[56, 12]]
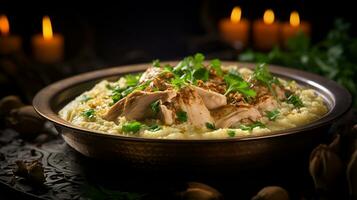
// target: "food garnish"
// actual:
[[272, 115], [195, 96], [131, 127], [89, 114]]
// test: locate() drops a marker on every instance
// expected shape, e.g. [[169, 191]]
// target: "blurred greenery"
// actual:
[[335, 57]]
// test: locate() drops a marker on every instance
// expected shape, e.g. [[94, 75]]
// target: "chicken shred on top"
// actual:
[[198, 93]]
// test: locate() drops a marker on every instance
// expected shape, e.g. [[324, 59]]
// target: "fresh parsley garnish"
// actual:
[[131, 127], [200, 74], [129, 90], [231, 133], [154, 128], [272, 115], [116, 97], [216, 65], [167, 69], [132, 79], [236, 83], [178, 82], [155, 107], [89, 114], [85, 98], [156, 63], [250, 127], [181, 116], [199, 58], [295, 100], [189, 70], [262, 74], [210, 126], [117, 94]]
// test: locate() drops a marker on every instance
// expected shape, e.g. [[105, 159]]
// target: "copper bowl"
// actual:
[[208, 154]]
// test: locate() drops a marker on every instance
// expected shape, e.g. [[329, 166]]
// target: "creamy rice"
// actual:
[[100, 101]]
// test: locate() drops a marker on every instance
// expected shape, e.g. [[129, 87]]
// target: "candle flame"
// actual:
[[236, 14], [4, 25], [269, 16], [294, 18], [47, 28]]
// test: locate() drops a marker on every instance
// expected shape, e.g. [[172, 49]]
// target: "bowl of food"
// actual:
[[202, 114]]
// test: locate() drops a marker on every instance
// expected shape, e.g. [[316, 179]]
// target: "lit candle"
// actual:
[[48, 47], [294, 27], [235, 30], [8, 43], [266, 31]]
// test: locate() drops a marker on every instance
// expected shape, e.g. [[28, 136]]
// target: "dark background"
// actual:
[[101, 34], [123, 32]]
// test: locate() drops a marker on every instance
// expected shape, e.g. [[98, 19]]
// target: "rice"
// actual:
[[98, 99]]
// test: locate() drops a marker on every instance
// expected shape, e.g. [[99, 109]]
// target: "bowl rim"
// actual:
[[341, 100]]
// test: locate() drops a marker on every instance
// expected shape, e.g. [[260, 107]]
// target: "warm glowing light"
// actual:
[[236, 14], [294, 19], [4, 25], [47, 28], [268, 17]]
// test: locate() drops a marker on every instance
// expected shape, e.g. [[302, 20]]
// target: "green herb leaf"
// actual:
[[189, 70], [231, 133], [155, 107], [232, 77], [129, 90], [168, 68], [154, 128], [200, 74], [262, 74], [272, 115], [199, 58], [132, 80], [295, 100], [181, 116], [210, 126], [156, 63], [178, 82], [216, 65], [131, 127], [89, 114], [117, 94], [235, 83], [116, 97], [250, 127]]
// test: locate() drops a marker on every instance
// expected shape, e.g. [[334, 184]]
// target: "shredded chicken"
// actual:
[[202, 103], [191, 102], [279, 91], [266, 103], [211, 99], [115, 110], [166, 115], [136, 104], [229, 115]]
